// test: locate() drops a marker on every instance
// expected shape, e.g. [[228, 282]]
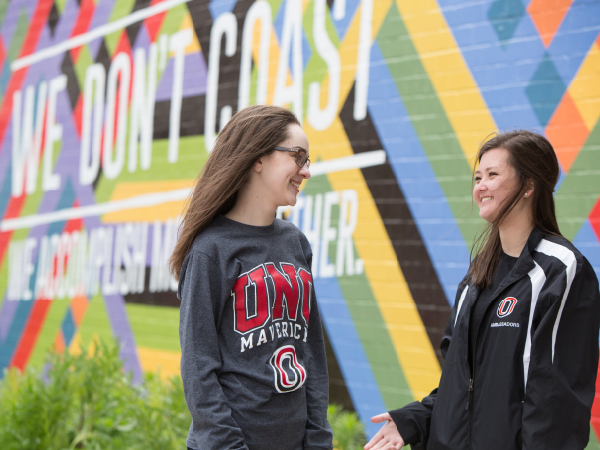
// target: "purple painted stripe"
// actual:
[[194, 77], [11, 18], [101, 17]]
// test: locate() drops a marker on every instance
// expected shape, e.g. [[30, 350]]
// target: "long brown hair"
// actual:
[[533, 160], [249, 135]]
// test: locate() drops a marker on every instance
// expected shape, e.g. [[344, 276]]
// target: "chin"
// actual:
[[484, 216]]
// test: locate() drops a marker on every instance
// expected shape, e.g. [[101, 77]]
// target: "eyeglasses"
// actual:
[[301, 155]]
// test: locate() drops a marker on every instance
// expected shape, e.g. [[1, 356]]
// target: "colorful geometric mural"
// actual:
[[108, 111]]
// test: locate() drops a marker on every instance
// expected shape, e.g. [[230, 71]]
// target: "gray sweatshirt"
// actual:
[[252, 355]]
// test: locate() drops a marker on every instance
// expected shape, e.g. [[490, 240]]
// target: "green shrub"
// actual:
[[88, 401], [348, 430]]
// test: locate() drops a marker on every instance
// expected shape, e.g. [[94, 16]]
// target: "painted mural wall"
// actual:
[[109, 109]]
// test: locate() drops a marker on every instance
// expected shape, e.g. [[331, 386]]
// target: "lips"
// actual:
[[295, 184], [483, 200]]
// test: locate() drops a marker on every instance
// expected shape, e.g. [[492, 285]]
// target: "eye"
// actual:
[[492, 174], [477, 179]]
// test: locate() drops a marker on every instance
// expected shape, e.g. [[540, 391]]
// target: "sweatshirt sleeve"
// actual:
[[560, 381], [318, 434], [200, 292], [413, 421]]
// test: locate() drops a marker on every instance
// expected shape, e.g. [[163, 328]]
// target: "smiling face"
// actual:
[[495, 184], [280, 177]]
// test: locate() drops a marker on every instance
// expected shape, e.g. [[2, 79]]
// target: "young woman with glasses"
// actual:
[[252, 354], [521, 348]]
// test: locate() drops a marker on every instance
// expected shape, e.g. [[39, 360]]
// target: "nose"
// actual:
[[304, 172], [481, 186]]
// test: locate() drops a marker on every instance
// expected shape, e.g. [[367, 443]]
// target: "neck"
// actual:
[[250, 208], [513, 236]]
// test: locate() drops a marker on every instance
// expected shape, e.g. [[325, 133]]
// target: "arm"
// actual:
[[560, 385], [410, 424], [200, 293], [318, 431]]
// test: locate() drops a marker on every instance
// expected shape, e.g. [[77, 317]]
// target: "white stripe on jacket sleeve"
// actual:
[[538, 278], [460, 302], [568, 259]]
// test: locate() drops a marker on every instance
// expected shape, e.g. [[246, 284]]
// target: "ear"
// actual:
[[258, 166], [529, 188]]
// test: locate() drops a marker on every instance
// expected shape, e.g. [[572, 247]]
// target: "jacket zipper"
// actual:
[[471, 402]]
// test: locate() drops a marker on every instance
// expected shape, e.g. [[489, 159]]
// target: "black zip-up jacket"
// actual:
[[531, 381]]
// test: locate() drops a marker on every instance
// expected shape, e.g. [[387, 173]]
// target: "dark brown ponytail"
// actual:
[[533, 159]]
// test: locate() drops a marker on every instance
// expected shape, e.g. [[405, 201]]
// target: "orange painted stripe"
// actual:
[[567, 131], [59, 341], [79, 306], [547, 16]]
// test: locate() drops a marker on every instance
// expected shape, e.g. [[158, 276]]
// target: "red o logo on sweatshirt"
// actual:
[[289, 373], [506, 306]]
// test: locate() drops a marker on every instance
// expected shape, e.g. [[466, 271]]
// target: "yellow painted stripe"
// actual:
[[585, 88], [166, 361], [464, 105], [161, 212], [194, 47], [399, 311]]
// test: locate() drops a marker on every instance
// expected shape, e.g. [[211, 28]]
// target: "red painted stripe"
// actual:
[[38, 312], [154, 23], [2, 53], [596, 407], [78, 114], [13, 210], [40, 18], [30, 333], [86, 12]]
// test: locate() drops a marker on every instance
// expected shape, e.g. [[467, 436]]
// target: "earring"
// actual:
[[525, 194]]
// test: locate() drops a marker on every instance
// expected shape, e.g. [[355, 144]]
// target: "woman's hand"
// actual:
[[388, 438]]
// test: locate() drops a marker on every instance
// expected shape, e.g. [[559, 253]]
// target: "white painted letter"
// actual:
[[346, 227], [27, 142], [364, 57], [226, 24], [141, 120], [177, 43], [51, 181], [326, 269], [120, 70], [311, 227], [91, 134], [291, 35], [317, 118], [260, 10]]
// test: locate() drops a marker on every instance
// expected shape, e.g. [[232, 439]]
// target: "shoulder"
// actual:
[[208, 241], [559, 255], [559, 250], [290, 230]]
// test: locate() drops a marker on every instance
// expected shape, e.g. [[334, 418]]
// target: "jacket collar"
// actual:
[[522, 267]]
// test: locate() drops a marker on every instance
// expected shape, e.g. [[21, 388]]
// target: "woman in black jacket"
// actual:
[[521, 347]]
